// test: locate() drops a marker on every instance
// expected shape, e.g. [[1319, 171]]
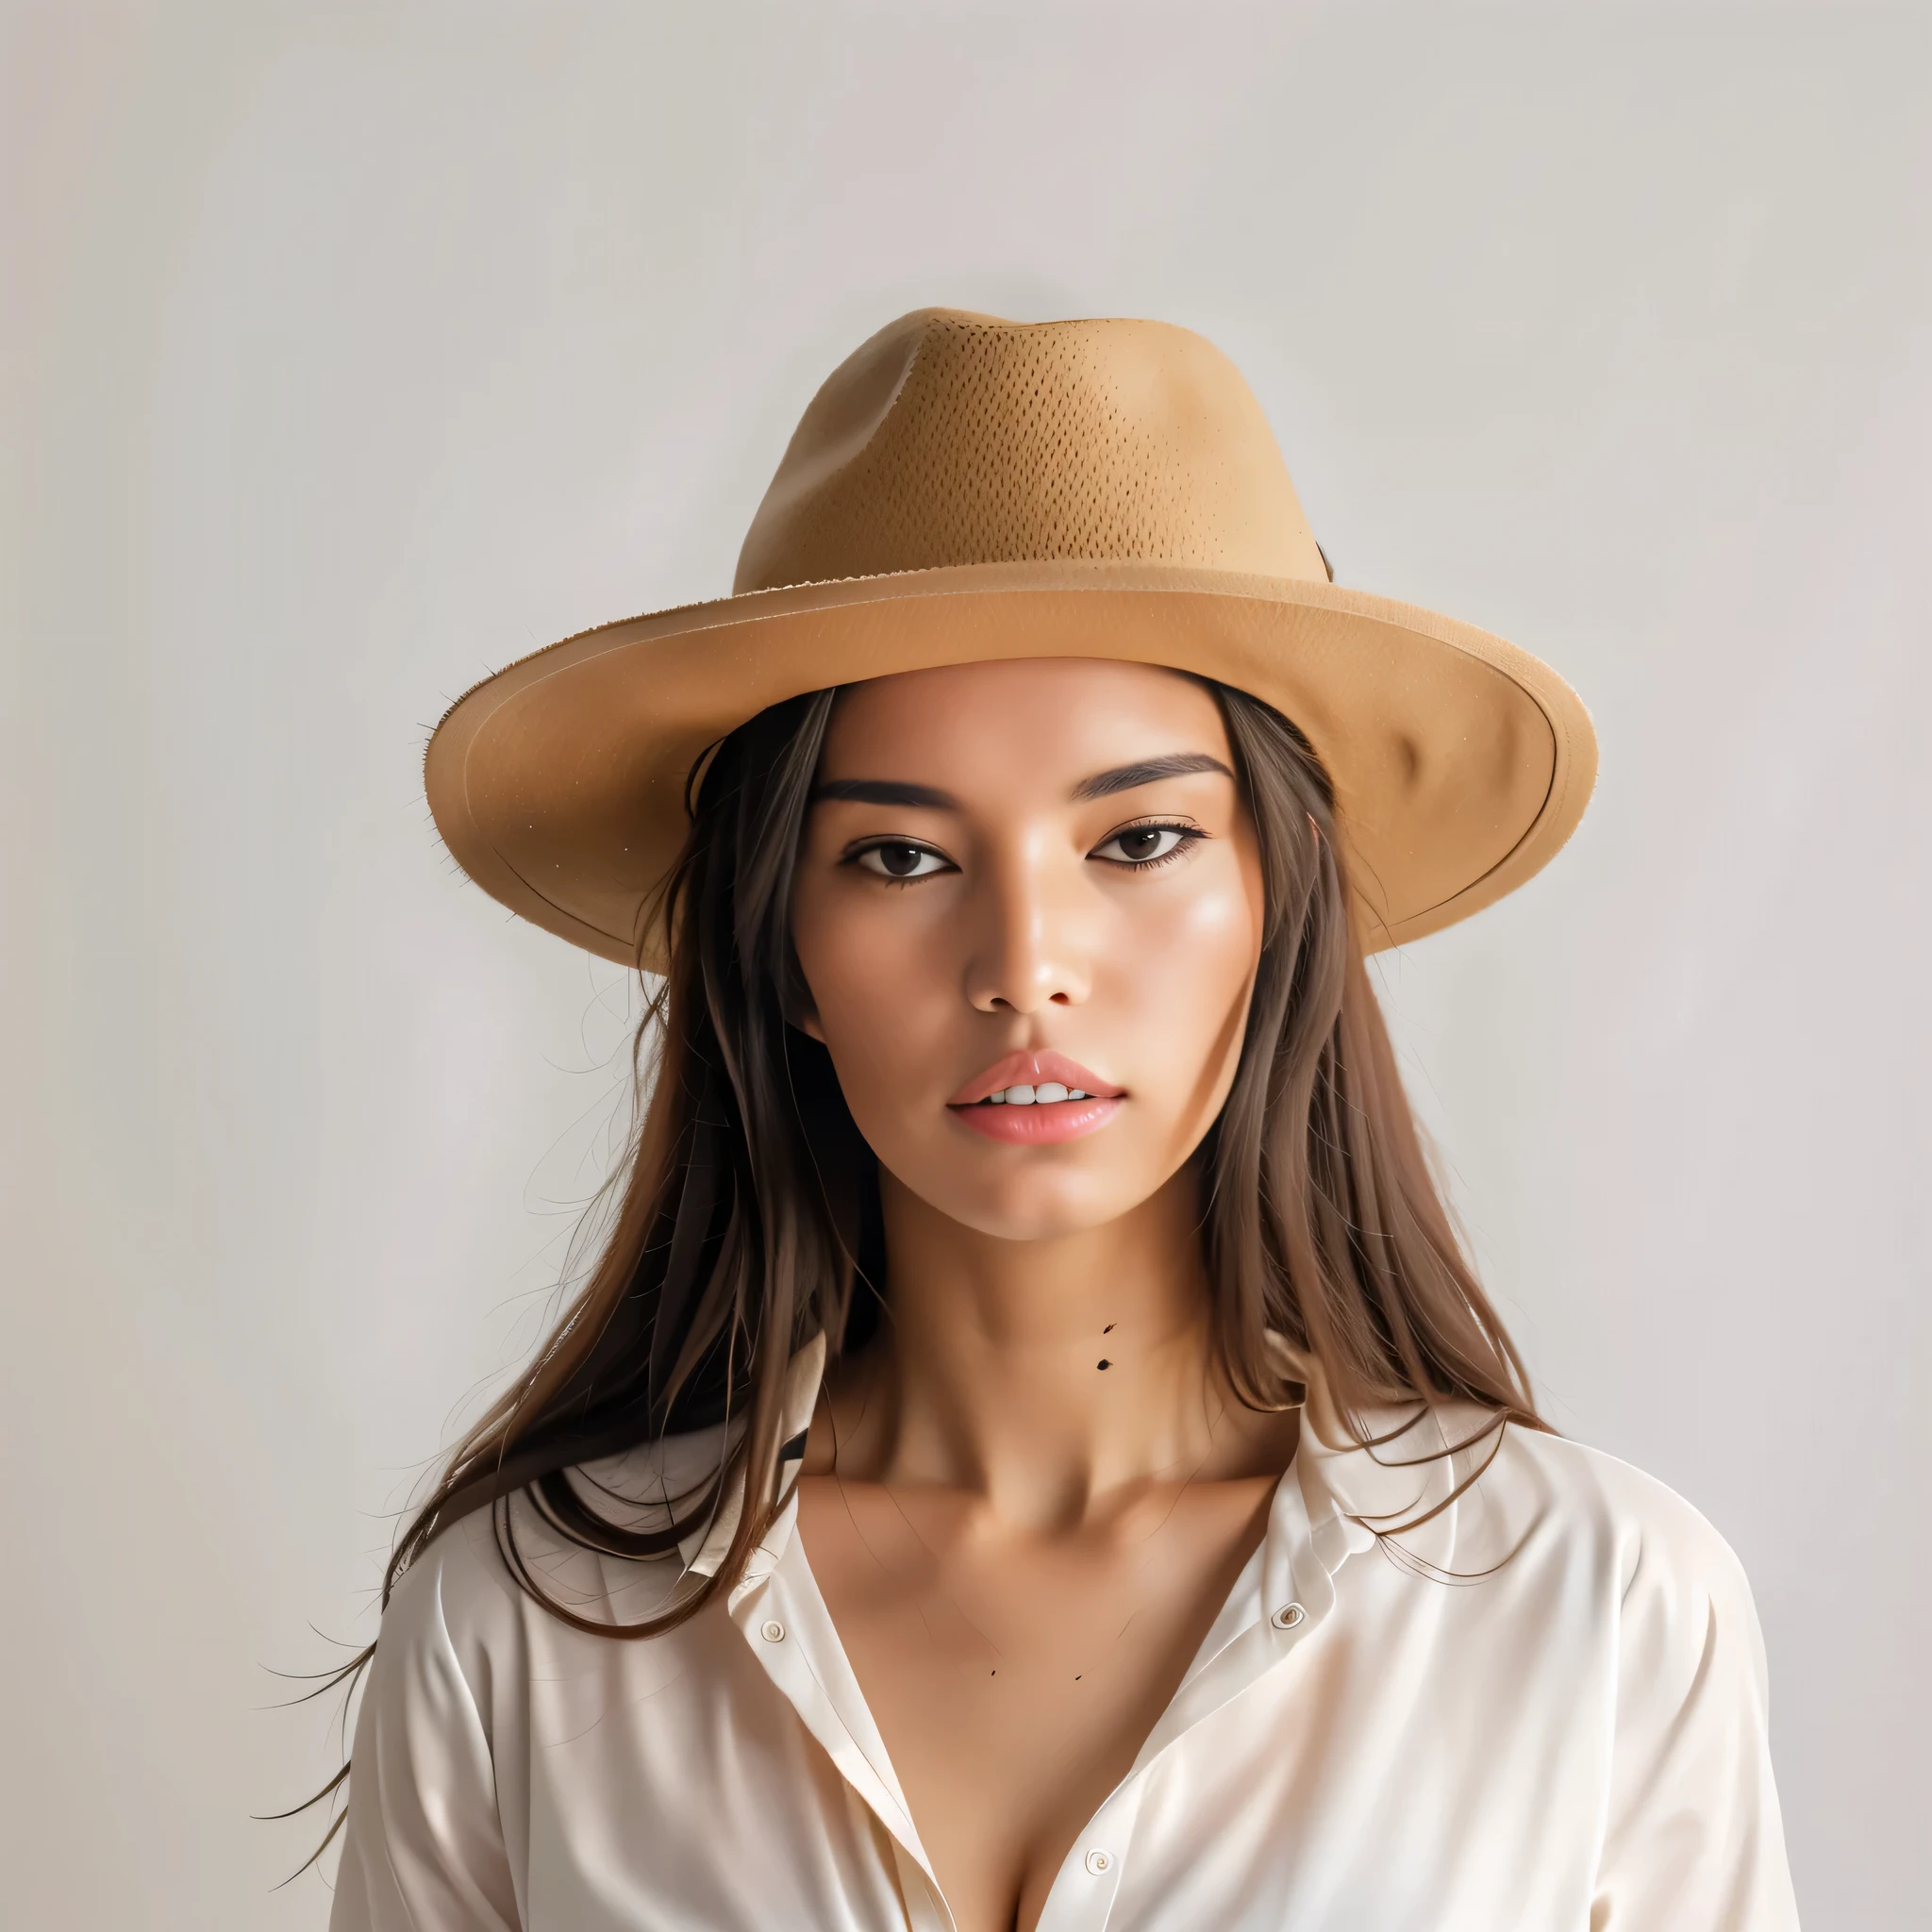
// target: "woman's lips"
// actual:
[[1033, 1070], [1040, 1124]]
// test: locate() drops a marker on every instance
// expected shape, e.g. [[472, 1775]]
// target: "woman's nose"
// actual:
[[1029, 949]]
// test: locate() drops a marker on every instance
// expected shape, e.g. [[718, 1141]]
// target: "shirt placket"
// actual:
[[1083, 1890], [1279, 1601], [783, 1618]]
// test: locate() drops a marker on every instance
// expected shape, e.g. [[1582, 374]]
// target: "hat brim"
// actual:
[[1460, 763]]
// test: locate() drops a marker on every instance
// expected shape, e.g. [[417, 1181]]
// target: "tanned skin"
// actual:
[[1026, 1502]]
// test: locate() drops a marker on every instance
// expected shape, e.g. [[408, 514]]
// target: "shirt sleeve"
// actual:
[[423, 1848], [1693, 1839]]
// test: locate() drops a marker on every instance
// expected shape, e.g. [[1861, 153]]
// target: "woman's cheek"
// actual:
[[884, 1016], [1191, 949], [1188, 990]]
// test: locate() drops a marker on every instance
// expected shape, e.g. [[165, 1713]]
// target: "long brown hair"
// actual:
[[746, 1218]]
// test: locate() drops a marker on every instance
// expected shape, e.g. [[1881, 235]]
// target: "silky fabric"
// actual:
[[1544, 1710]]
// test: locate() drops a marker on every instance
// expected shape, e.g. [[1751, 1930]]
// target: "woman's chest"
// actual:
[[1362, 1769], [1014, 1679], [1402, 1752]]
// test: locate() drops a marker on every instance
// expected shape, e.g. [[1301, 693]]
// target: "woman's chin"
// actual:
[[1038, 1207]]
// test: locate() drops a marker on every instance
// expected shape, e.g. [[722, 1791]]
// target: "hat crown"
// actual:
[[958, 439]]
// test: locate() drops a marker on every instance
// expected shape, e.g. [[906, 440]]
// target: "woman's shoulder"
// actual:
[[1521, 1493], [1690, 1829], [472, 1586], [1584, 1504]]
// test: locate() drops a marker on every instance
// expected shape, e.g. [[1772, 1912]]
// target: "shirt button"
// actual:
[[1288, 1616], [1098, 1863], [772, 1630]]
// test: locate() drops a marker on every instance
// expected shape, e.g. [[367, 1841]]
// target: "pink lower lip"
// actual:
[[1037, 1126]]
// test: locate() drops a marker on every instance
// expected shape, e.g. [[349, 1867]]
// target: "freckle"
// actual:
[[1077, 1676], [1104, 1365], [1109, 1329]]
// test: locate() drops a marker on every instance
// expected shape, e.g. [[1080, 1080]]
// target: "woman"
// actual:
[[1031, 1452]]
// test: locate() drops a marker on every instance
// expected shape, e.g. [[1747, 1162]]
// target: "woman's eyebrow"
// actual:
[[885, 792], [1177, 764]]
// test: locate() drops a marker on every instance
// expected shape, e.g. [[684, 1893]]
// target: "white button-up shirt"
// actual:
[[1544, 1710]]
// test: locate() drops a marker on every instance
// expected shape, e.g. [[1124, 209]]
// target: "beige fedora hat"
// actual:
[[964, 489]]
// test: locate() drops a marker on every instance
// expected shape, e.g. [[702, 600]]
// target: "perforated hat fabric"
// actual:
[[962, 440], [962, 490]]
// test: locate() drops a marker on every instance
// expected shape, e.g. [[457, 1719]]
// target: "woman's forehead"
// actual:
[[1066, 712]]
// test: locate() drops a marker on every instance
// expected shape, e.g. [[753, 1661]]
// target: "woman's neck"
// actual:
[[1048, 1376]]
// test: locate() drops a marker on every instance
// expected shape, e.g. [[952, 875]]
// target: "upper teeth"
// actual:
[[1043, 1095]]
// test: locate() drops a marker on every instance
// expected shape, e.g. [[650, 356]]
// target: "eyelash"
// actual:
[[1188, 838], [886, 878]]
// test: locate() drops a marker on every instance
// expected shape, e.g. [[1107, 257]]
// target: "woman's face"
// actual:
[[1032, 879]]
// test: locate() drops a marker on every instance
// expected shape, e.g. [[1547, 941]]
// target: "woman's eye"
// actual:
[[1144, 844], [899, 862]]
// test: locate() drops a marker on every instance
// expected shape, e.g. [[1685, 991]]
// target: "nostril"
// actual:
[[1060, 999]]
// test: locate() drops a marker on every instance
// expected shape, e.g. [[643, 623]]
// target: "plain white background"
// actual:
[[352, 351]]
